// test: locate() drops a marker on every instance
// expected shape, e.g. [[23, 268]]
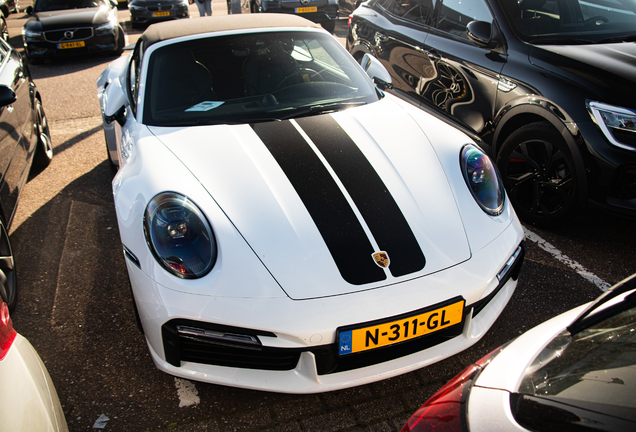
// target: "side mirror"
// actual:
[[29, 10], [376, 72], [115, 103], [7, 96], [481, 33]]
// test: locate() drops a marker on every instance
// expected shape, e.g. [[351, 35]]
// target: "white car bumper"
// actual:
[[308, 327]]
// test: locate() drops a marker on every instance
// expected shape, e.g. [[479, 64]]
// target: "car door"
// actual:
[[465, 77], [15, 149], [398, 38]]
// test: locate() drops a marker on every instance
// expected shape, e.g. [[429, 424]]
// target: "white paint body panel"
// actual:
[[28, 400], [274, 272], [489, 399]]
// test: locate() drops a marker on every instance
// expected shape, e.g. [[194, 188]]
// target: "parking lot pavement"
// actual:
[[75, 305]]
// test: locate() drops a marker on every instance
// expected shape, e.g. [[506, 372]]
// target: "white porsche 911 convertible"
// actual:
[[289, 226]]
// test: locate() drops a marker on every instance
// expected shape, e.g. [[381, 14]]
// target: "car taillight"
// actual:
[[7, 334], [349, 21], [445, 411]]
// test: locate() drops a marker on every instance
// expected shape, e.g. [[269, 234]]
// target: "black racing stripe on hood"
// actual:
[[378, 208], [337, 223]]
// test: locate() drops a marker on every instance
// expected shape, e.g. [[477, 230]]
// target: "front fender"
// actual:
[[532, 108]]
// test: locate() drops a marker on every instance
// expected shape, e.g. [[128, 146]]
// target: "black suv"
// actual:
[[548, 86], [323, 12]]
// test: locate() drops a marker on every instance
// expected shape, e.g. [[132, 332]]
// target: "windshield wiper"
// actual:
[[628, 38], [322, 109], [585, 321]]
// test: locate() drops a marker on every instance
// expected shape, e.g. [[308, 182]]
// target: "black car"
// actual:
[[549, 86], [9, 6], [62, 28], [24, 141], [323, 12], [144, 12]]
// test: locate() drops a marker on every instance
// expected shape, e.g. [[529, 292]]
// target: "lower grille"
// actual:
[[625, 185], [159, 8], [205, 343], [231, 351], [180, 348]]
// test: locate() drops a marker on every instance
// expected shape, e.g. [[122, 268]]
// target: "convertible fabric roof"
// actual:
[[187, 27]]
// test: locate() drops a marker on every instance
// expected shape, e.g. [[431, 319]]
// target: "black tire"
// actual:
[[539, 174], [8, 282], [121, 42], [330, 26], [44, 150], [4, 30]]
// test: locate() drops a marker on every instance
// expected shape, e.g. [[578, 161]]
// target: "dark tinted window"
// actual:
[[572, 22], [456, 14], [250, 77], [52, 5], [418, 11]]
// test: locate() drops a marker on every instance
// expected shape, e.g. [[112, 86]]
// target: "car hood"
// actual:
[[607, 69], [316, 197], [72, 18]]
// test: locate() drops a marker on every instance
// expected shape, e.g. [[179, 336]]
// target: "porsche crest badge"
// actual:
[[381, 259]]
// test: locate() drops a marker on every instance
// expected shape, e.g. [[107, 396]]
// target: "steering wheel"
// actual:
[[595, 20], [312, 73]]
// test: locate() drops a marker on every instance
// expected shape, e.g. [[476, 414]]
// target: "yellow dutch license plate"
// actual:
[[394, 330], [160, 14], [307, 9], [66, 45]]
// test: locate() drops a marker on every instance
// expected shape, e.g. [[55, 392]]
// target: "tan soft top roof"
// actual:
[[186, 27]]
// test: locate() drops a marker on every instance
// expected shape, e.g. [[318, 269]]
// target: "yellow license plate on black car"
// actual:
[[368, 336], [66, 45], [307, 9], [160, 14]]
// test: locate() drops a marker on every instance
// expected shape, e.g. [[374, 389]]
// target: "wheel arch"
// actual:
[[531, 111], [360, 48]]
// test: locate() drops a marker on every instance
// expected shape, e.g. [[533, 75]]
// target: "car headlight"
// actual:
[[482, 179], [179, 236], [136, 8], [30, 35], [107, 27], [618, 124]]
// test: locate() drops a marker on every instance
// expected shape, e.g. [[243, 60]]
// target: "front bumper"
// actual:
[[45, 49], [611, 172], [144, 16], [299, 350], [323, 14]]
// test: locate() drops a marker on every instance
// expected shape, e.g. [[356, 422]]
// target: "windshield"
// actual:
[[572, 21], [53, 5], [590, 375], [251, 78]]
